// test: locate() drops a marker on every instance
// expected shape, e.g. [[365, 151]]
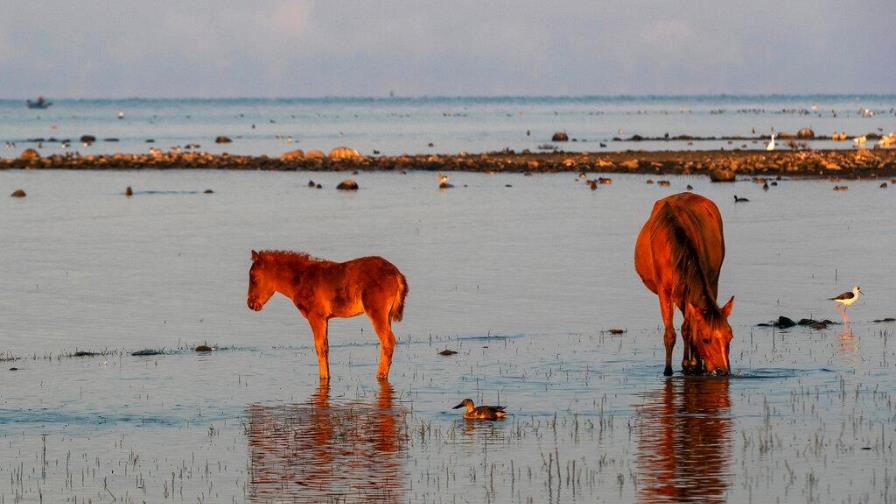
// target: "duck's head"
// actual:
[[466, 402]]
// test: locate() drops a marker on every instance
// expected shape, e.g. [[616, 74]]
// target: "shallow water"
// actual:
[[523, 281], [409, 125]]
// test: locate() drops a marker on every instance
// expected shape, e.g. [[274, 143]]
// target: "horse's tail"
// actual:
[[397, 311]]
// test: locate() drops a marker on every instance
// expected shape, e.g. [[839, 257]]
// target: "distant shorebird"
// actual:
[[771, 144], [849, 297], [481, 412]]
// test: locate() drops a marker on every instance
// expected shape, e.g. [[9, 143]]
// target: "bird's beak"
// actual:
[[461, 405]]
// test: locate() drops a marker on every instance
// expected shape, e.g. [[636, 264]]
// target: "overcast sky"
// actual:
[[205, 48]]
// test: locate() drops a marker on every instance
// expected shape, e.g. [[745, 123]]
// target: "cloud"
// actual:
[[311, 48]]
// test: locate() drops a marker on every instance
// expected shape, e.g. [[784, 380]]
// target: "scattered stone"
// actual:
[[88, 139], [447, 352], [314, 154], [13, 369], [208, 191], [887, 319], [650, 181], [782, 323], [293, 155], [311, 183], [805, 134], [203, 349], [347, 185], [883, 185], [150, 140], [339, 153], [222, 140], [689, 187], [560, 136], [663, 183], [615, 331], [129, 192], [29, 155], [18, 193], [147, 352], [841, 188], [111, 139], [722, 175]]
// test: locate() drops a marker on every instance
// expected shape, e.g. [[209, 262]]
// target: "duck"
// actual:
[[481, 412]]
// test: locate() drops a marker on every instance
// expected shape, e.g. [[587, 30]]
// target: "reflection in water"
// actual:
[[848, 342], [685, 442], [322, 452]]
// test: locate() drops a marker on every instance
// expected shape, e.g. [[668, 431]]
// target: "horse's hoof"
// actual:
[[667, 371]]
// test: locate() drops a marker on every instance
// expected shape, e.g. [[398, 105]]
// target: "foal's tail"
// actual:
[[397, 311]]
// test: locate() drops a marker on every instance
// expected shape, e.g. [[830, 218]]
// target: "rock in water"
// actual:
[[347, 185], [293, 155], [344, 153], [805, 133], [222, 139], [129, 191], [560, 136], [721, 175], [18, 193], [88, 139], [203, 348]]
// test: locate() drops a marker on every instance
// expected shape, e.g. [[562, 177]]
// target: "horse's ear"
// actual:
[[726, 310], [254, 256], [691, 312]]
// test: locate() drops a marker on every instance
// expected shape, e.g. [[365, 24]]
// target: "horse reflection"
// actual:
[[321, 451], [685, 442]]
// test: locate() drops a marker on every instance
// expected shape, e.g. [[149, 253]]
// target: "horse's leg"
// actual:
[[321, 345], [379, 318], [666, 308], [687, 359]]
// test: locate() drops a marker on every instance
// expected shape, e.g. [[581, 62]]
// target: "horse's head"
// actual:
[[260, 286], [711, 335]]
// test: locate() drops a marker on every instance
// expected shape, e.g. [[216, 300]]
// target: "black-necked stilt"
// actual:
[[849, 297]]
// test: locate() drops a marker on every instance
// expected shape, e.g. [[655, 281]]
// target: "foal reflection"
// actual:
[[321, 451], [685, 442]]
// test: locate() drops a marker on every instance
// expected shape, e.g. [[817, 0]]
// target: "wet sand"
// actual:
[[863, 163]]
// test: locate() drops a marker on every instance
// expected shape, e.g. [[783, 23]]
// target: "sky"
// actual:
[[283, 48]]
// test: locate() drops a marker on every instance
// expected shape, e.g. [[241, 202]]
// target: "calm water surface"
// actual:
[[410, 125], [523, 281]]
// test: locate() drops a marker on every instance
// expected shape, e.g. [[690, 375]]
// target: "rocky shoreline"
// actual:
[[720, 165]]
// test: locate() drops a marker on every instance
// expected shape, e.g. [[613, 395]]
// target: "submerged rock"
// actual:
[[203, 348], [347, 185], [447, 352], [129, 191], [18, 193], [222, 140], [88, 139], [560, 136]]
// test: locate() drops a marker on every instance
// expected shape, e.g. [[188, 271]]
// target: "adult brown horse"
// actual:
[[323, 289], [678, 255]]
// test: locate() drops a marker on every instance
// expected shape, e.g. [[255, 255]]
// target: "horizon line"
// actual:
[[466, 97]]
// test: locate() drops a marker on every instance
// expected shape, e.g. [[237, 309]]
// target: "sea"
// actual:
[[435, 125]]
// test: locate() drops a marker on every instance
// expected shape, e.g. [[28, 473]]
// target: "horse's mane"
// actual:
[[690, 264], [287, 256]]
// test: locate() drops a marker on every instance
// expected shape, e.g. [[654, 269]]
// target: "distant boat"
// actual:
[[39, 103]]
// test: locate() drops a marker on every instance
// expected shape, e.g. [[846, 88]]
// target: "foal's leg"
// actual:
[[379, 318], [321, 345], [669, 334]]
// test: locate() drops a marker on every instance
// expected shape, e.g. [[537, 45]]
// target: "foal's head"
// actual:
[[711, 336], [261, 285]]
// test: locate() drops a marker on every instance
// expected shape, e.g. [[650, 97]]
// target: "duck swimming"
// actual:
[[481, 412]]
